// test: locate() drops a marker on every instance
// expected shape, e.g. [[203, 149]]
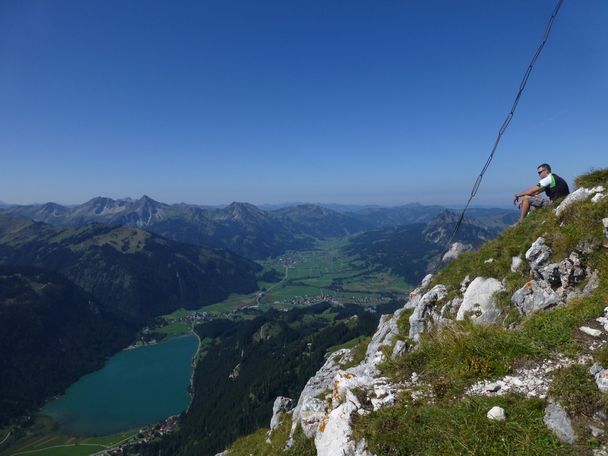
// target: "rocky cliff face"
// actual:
[[522, 321]]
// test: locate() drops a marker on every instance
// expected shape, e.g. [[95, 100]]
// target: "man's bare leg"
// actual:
[[524, 207]]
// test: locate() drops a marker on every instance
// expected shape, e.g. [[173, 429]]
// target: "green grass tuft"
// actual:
[[462, 353], [592, 179], [460, 428], [574, 387], [255, 444]]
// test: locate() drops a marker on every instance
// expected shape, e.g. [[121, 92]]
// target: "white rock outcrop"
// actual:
[[281, 406], [478, 301], [310, 409], [538, 253], [535, 296], [426, 312], [455, 250], [516, 262], [328, 401], [579, 195]]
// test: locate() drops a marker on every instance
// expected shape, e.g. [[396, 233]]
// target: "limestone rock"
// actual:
[[535, 296], [578, 195], [571, 271], [423, 314], [455, 250], [450, 309], [334, 434], [592, 332], [605, 223], [516, 262], [281, 405], [385, 335], [465, 283], [478, 300], [601, 380], [427, 281], [310, 409], [361, 449], [557, 421], [399, 349], [550, 274], [566, 273], [310, 415], [538, 254], [597, 367], [496, 413], [592, 284]]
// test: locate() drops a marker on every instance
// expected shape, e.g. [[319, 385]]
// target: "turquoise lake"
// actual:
[[134, 388]]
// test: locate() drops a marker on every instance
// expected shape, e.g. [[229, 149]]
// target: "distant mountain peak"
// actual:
[[244, 209], [147, 199]]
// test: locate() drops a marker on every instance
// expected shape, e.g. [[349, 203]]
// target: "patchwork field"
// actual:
[[42, 438], [308, 277]]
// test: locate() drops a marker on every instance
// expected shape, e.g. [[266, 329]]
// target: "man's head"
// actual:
[[543, 170]]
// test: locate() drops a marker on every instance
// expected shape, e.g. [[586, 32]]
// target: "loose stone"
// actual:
[[496, 413], [591, 331]]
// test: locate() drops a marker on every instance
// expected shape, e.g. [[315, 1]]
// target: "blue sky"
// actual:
[[383, 102]]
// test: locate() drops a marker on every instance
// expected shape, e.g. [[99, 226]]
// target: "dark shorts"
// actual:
[[539, 201]]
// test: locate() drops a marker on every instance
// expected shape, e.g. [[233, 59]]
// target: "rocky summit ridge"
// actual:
[[505, 351]]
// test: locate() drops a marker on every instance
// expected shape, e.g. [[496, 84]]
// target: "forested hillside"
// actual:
[[246, 364], [131, 270], [51, 333]]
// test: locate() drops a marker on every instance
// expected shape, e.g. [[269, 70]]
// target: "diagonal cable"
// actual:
[[501, 131]]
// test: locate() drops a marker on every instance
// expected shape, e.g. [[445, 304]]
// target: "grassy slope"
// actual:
[[463, 353], [458, 356]]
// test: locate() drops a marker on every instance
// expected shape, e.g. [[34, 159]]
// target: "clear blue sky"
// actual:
[[352, 101]]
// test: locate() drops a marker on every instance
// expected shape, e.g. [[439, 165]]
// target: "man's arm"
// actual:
[[530, 192]]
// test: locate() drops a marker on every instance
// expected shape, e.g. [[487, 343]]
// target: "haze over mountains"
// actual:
[[243, 227]]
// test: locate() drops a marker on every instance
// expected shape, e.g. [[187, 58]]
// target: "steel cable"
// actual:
[[501, 131]]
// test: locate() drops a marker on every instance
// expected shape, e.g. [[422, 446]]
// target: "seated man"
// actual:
[[554, 186]]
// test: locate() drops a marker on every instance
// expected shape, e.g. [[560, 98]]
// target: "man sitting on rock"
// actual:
[[554, 186]]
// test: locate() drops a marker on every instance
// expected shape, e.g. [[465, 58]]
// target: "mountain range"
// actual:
[[136, 272], [242, 227]]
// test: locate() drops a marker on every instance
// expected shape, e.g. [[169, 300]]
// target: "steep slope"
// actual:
[[51, 333], [504, 352], [246, 363], [139, 273]]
